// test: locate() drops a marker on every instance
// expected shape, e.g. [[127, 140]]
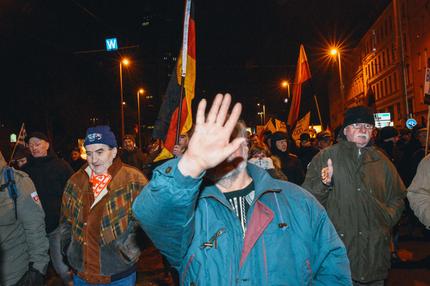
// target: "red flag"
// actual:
[[303, 74]]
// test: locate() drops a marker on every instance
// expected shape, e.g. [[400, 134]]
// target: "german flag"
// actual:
[[183, 77], [302, 85]]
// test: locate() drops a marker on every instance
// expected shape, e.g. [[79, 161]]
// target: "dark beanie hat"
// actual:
[[38, 135], [100, 135], [278, 136], [388, 132], [358, 114]]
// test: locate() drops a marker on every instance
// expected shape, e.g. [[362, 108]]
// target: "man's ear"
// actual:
[[115, 151], [344, 131]]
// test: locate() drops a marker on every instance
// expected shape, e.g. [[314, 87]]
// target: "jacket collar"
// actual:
[[368, 153], [112, 170], [259, 177]]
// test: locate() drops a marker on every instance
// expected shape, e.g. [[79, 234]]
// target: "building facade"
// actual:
[[382, 74]]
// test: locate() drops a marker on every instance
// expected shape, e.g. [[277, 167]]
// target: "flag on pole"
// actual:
[[301, 86], [184, 73], [302, 126], [273, 125]]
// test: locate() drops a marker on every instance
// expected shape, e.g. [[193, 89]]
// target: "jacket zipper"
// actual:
[[213, 241]]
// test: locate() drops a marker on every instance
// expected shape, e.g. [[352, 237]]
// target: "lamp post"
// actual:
[[262, 113], [122, 62], [139, 92], [334, 52], [285, 84]]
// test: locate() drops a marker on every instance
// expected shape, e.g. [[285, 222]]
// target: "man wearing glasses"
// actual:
[[362, 193]]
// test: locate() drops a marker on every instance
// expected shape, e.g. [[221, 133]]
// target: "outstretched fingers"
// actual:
[[233, 146], [234, 117], [213, 112], [200, 115], [222, 114]]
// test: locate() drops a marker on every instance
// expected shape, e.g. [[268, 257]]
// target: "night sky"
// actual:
[[55, 75]]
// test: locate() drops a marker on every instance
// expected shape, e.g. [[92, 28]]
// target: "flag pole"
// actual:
[[16, 143], [178, 123], [316, 101], [184, 66], [318, 109]]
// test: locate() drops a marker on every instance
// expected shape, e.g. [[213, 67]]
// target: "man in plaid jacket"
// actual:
[[98, 232]]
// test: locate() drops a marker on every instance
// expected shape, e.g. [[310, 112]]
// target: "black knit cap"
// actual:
[[358, 114], [388, 132], [278, 136], [37, 134]]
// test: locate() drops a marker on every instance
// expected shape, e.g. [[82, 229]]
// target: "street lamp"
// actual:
[[286, 85], [122, 62], [139, 92], [335, 53], [262, 113]]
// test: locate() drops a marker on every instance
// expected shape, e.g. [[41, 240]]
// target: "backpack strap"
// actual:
[[10, 184]]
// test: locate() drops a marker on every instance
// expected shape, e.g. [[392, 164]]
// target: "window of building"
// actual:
[[390, 84], [375, 62], [375, 91], [383, 59], [386, 86], [395, 82]]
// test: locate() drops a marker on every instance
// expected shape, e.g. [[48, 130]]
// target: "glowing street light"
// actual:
[[141, 91], [125, 62], [285, 84], [333, 52]]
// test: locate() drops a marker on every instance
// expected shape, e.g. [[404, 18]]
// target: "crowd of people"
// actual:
[[230, 208]]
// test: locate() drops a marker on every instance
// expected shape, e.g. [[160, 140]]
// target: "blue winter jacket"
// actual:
[[289, 238]]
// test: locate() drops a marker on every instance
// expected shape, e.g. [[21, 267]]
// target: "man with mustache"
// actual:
[[221, 221], [362, 193]]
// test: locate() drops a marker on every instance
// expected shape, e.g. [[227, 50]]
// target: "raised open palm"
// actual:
[[210, 143]]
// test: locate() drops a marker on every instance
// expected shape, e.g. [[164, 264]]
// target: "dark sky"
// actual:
[[53, 82]]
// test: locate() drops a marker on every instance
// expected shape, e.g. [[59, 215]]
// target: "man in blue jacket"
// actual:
[[220, 221]]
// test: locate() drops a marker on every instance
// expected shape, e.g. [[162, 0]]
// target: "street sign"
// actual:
[[12, 138], [111, 44], [411, 123], [382, 119]]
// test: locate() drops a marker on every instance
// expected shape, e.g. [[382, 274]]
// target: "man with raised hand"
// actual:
[[362, 193], [220, 221]]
